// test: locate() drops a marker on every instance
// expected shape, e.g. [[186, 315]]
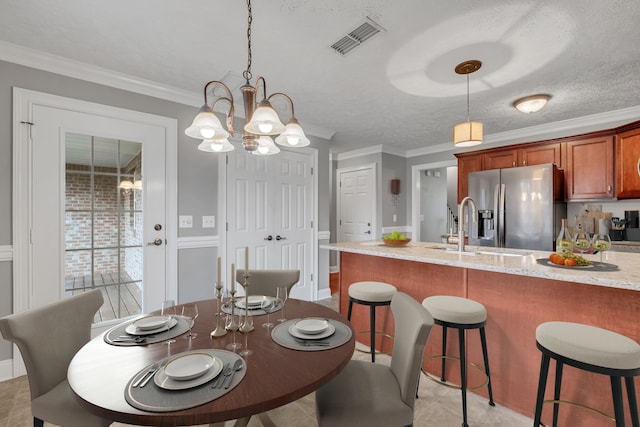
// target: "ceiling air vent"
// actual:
[[356, 37]]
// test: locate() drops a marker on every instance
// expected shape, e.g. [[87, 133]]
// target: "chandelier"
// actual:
[[467, 134], [262, 119]]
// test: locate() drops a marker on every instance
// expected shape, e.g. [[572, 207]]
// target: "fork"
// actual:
[[311, 342], [226, 370]]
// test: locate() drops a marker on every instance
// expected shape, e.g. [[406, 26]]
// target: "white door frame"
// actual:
[[23, 102], [374, 194], [222, 213], [415, 192]]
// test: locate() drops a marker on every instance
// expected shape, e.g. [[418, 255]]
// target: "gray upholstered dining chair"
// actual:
[[48, 337], [369, 394], [265, 282]]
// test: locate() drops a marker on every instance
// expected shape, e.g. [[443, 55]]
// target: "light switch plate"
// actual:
[[185, 221], [208, 221]]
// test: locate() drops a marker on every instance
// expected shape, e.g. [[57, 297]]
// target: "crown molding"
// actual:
[[569, 127], [79, 70]]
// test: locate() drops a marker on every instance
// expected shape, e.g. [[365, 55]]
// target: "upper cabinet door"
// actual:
[[589, 173], [500, 159], [628, 164], [540, 154]]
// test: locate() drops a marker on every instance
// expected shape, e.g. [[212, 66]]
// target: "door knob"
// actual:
[[156, 242], [157, 227], [367, 232], [280, 238], [269, 237]]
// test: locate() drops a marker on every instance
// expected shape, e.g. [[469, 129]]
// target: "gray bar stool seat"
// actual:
[[461, 314], [591, 349], [373, 294]]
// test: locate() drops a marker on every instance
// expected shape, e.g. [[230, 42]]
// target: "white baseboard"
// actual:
[[6, 369], [324, 294]]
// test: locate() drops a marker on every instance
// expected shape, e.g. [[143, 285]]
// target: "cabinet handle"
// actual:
[[513, 164], [638, 166], [608, 189], [524, 163]]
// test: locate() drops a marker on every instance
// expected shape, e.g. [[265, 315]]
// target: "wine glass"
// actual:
[[282, 293], [601, 242], [190, 312], [268, 305], [169, 310], [581, 241], [232, 323]]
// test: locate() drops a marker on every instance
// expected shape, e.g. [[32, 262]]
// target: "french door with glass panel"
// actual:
[[98, 211]]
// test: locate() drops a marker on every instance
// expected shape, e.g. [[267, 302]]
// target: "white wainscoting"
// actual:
[[6, 253], [6, 369]]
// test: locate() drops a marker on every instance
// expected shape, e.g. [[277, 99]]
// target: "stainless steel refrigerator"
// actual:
[[519, 208]]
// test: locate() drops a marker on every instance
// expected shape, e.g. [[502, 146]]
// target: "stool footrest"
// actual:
[[583, 406], [446, 384]]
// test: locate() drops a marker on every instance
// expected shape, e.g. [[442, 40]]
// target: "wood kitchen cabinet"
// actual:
[[467, 163], [534, 154], [628, 164], [589, 172]]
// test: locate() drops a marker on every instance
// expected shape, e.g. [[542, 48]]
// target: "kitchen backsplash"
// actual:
[[617, 209]]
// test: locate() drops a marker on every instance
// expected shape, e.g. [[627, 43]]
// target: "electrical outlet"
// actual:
[[185, 221], [395, 218], [208, 221]]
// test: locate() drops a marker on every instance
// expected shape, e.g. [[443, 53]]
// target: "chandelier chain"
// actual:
[[247, 73], [468, 104]]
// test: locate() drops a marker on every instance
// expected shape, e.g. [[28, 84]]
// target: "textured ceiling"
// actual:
[[397, 89]]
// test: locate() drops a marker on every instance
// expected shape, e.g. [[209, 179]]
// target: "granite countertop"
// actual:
[[502, 261]]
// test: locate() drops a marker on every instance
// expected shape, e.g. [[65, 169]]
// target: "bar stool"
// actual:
[[461, 314], [591, 349], [373, 294]]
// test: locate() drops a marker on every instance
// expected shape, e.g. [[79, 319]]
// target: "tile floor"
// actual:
[[437, 406]]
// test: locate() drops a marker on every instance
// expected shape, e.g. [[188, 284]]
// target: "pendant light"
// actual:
[[467, 134]]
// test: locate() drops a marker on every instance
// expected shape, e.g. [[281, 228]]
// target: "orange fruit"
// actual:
[[556, 258], [571, 262]]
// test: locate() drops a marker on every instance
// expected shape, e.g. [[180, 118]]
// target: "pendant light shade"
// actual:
[[266, 146], [265, 121], [293, 136], [206, 125], [215, 146], [467, 134]]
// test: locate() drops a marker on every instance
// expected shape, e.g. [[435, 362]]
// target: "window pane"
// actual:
[[77, 271], [105, 266], [105, 190], [131, 264], [105, 230], [77, 194], [77, 230], [131, 229]]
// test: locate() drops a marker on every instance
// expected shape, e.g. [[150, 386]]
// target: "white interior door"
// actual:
[[357, 203], [79, 238], [270, 204]]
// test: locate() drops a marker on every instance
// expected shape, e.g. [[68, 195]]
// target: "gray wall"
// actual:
[[197, 176]]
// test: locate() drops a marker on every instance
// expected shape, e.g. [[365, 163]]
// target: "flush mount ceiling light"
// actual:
[[467, 134], [531, 104], [262, 118]]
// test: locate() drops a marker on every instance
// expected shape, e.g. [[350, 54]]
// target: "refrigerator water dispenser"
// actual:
[[486, 225]]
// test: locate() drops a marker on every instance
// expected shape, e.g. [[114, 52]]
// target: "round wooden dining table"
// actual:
[[99, 372]]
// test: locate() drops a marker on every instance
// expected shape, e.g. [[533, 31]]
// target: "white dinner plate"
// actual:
[[255, 301], [312, 325], [151, 322], [163, 381], [296, 333], [131, 329], [188, 366]]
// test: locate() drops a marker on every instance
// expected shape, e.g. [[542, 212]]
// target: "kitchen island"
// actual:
[[519, 294]]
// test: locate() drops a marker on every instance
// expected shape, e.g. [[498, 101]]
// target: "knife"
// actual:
[[236, 367]]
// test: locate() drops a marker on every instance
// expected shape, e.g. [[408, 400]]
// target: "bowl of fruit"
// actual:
[[396, 239]]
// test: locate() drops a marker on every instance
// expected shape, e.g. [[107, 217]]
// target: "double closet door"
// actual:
[[270, 205]]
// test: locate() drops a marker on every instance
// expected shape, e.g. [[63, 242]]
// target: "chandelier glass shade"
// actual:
[[262, 119], [468, 134]]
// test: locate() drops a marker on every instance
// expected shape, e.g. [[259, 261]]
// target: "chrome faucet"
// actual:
[[472, 214]]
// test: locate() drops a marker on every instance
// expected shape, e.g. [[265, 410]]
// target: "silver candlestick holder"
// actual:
[[247, 325], [219, 331]]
